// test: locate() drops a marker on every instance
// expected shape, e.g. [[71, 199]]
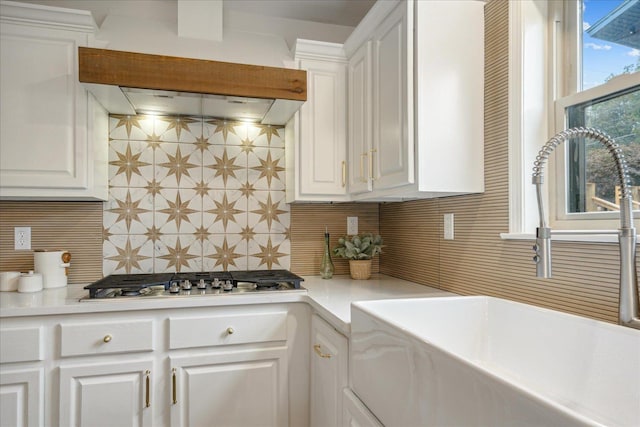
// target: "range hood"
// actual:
[[138, 83]]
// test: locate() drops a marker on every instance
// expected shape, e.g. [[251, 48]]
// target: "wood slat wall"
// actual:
[[308, 223], [72, 226], [478, 261]]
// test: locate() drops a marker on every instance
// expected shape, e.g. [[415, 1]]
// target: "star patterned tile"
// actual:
[[131, 164], [128, 210], [128, 254], [224, 167], [223, 132], [178, 165], [266, 168], [268, 212], [226, 252], [194, 194], [133, 128], [269, 252], [179, 128]]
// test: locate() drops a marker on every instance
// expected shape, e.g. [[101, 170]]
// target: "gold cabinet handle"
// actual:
[[344, 174], [319, 352], [230, 330], [371, 175], [147, 396], [107, 338], [362, 177], [174, 386]]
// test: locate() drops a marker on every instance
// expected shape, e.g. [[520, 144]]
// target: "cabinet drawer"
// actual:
[[104, 338], [21, 344], [225, 329]]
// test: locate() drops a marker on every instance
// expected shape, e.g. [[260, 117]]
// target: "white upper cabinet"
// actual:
[[360, 126], [427, 100], [54, 135], [392, 152], [316, 138]]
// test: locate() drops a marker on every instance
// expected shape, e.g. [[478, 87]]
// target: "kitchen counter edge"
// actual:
[[331, 299]]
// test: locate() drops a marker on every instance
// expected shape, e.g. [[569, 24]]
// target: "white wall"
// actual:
[[151, 26]]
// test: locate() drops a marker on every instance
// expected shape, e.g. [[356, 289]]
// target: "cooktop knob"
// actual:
[[174, 288], [216, 283], [202, 284], [186, 285], [227, 286]]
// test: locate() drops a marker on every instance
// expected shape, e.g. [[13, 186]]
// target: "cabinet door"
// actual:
[[107, 394], [21, 397], [329, 361], [42, 103], [323, 131], [355, 414], [393, 149], [237, 388], [47, 117], [360, 126]]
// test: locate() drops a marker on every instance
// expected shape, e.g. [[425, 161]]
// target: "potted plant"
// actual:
[[359, 250]]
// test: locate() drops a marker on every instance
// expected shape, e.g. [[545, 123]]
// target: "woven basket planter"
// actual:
[[360, 269]]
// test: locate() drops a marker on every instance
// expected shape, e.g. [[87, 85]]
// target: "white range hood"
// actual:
[[135, 83]]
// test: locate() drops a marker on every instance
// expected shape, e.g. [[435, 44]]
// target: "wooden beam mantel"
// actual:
[[159, 72]]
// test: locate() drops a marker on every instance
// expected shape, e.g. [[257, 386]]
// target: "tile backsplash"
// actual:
[[193, 194]]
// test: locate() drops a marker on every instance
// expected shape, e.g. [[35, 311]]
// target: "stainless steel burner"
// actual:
[[192, 284]]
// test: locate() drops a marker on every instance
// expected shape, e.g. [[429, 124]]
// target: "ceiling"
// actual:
[[337, 12]]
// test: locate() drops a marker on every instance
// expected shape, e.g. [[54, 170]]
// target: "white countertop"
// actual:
[[330, 298]]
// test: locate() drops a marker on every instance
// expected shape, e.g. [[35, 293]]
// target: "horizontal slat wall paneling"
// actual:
[[408, 230], [72, 226], [308, 223], [479, 262]]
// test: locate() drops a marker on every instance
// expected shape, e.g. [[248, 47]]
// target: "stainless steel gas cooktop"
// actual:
[[126, 286]]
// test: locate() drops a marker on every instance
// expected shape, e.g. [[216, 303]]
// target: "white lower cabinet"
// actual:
[[21, 397], [355, 413], [202, 366], [97, 394], [234, 388], [329, 363]]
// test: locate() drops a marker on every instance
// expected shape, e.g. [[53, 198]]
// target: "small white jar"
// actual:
[[30, 282], [9, 281]]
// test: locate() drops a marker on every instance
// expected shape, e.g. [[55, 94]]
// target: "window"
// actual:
[[547, 47], [599, 72]]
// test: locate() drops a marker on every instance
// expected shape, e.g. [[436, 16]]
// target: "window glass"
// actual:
[[591, 177], [610, 47], [610, 40]]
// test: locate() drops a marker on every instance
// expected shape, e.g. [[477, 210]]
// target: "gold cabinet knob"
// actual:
[[107, 338], [230, 330]]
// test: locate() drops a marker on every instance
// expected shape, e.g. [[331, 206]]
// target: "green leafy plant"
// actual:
[[361, 246]]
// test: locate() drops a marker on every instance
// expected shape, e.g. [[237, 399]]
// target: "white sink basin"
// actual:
[[487, 361]]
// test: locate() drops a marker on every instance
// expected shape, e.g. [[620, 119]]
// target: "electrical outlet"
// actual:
[[448, 226], [22, 240], [352, 225]]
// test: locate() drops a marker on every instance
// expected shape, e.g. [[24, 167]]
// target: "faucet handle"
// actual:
[[542, 257]]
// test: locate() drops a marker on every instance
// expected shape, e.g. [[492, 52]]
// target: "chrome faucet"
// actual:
[[628, 309]]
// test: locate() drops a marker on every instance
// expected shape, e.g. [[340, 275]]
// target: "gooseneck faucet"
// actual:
[[628, 310]]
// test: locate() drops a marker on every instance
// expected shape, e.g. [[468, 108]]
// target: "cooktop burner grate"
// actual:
[[134, 285]]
